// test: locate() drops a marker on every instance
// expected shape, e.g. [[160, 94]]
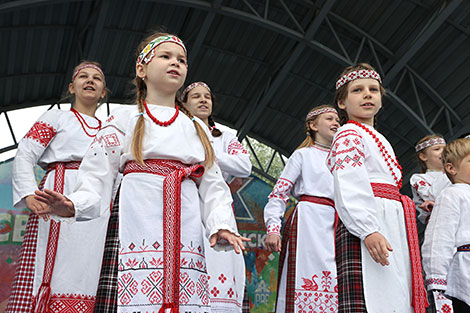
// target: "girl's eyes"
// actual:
[[182, 61]]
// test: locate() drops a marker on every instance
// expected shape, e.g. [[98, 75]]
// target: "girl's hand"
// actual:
[[427, 205], [273, 243], [56, 202], [37, 206], [378, 247], [231, 238]]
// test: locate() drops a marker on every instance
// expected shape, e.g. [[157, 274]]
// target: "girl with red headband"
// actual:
[[377, 250], [60, 262], [154, 259], [226, 268], [307, 269]]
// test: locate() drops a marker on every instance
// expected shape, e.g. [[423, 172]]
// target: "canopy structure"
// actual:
[[267, 61]]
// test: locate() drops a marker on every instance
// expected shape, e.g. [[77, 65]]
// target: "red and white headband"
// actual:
[[357, 75], [429, 143], [88, 65], [320, 111], [192, 86], [146, 55]]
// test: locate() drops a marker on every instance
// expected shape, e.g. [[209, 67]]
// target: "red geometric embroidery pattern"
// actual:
[[436, 282], [110, 140], [202, 287], [68, 303], [346, 150], [41, 132], [187, 288], [281, 190], [274, 229], [236, 147], [152, 287], [127, 288], [314, 297]]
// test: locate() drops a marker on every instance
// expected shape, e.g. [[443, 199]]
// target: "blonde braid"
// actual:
[[139, 129], [202, 135]]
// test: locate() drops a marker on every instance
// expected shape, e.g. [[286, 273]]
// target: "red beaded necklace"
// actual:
[[157, 121], [82, 121], [384, 152]]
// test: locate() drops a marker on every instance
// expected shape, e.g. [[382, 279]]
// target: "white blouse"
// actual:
[[427, 186], [304, 174], [232, 156], [111, 150], [356, 162], [448, 228], [57, 136]]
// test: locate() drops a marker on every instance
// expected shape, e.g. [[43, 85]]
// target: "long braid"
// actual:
[[215, 131], [202, 135], [139, 129]]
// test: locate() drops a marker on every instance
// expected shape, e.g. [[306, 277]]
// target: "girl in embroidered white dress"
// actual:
[[377, 252], [161, 264], [427, 185], [57, 142], [307, 269], [226, 269]]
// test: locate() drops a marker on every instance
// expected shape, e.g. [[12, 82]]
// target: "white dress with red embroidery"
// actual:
[[356, 161], [427, 186], [57, 136], [446, 266], [226, 269], [141, 253], [315, 277]]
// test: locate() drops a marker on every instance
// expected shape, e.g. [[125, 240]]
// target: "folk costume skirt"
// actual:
[[367, 286], [146, 281], [307, 269], [59, 265]]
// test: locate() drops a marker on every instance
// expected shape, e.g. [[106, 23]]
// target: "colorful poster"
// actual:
[[250, 195]]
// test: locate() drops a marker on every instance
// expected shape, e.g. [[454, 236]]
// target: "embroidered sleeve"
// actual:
[[421, 191], [99, 168], [354, 198], [235, 160], [30, 150], [278, 198], [42, 132], [440, 239], [235, 147]]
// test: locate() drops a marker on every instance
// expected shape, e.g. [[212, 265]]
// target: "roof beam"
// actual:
[[98, 31], [282, 74], [203, 32], [420, 40]]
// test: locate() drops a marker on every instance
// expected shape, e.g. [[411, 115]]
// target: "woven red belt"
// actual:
[[464, 248], [175, 172], [41, 301], [387, 191], [317, 200]]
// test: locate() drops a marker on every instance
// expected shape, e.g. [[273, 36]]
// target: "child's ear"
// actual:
[[141, 70], [450, 168], [313, 126], [341, 105], [422, 156]]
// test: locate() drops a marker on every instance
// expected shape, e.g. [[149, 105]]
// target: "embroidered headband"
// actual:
[[146, 55], [192, 86], [320, 111], [88, 65], [429, 143], [357, 75]]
